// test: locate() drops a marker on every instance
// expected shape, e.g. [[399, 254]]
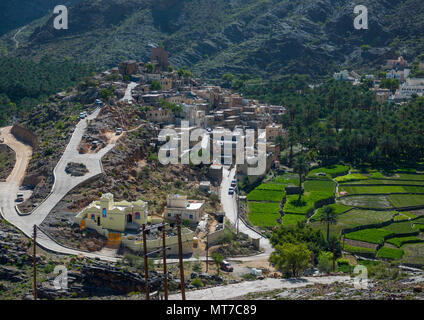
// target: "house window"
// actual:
[[169, 214], [93, 217], [137, 216], [104, 212], [191, 217]]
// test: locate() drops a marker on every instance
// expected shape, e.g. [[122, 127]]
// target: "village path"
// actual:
[[15, 35]]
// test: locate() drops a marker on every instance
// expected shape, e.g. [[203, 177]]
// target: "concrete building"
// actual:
[[120, 223], [191, 210], [160, 115]]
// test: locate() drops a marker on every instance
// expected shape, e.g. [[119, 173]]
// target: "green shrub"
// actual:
[[197, 283], [325, 262]]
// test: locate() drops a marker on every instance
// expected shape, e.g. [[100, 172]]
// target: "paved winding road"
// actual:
[[229, 204], [63, 184]]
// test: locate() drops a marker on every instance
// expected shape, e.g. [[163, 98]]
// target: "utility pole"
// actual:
[[334, 257], [35, 262], [146, 265], [207, 252], [165, 272], [180, 253]]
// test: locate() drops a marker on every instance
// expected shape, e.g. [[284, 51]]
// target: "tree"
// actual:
[[228, 79], [301, 167], [291, 257], [325, 262], [155, 86], [217, 259], [328, 217], [280, 142], [150, 67]]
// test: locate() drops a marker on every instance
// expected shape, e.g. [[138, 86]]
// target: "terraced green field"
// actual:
[[271, 186], [356, 218], [264, 219], [374, 190], [320, 185], [306, 203], [376, 236], [265, 195], [381, 189], [293, 219], [403, 201], [331, 171], [404, 227], [338, 209], [390, 253], [287, 179], [354, 177], [400, 241], [383, 182], [372, 202]]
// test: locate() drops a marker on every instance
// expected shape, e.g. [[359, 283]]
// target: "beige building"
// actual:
[[273, 131], [117, 216], [191, 210], [160, 115], [120, 223], [166, 84]]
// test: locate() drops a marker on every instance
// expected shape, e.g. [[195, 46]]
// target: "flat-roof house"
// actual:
[[191, 210]]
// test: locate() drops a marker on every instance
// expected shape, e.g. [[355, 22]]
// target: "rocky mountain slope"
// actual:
[[261, 37], [15, 14]]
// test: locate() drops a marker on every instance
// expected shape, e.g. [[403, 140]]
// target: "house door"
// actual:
[[98, 221], [129, 218]]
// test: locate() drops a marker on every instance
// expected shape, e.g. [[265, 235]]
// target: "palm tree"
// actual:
[[280, 142], [329, 217], [301, 167]]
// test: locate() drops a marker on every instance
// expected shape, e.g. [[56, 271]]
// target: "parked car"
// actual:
[[20, 197], [231, 191], [234, 183], [118, 131], [83, 115], [226, 266]]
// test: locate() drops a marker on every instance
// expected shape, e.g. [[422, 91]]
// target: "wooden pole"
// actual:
[[35, 262], [165, 272], [146, 265], [180, 254], [207, 252], [334, 257]]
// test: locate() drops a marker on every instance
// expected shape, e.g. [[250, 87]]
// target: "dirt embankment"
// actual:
[[7, 161]]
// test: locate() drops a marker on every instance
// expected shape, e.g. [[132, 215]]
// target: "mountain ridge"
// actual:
[[261, 37]]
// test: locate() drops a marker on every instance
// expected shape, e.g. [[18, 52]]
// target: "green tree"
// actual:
[[291, 257], [217, 259], [301, 167], [328, 217], [228, 79], [150, 67], [155, 86]]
